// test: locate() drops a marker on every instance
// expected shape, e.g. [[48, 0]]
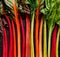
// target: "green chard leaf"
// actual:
[[52, 11]]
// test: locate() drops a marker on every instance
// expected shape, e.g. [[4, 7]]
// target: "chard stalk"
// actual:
[[36, 32], [57, 43], [5, 43], [14, 37], [53, 38], [49, 39], [45, 40], [37, 41], [23, 38], [40, 37], [28, 45], [32, 37]]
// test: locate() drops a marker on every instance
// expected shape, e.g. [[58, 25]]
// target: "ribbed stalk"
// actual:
[[45, 40]]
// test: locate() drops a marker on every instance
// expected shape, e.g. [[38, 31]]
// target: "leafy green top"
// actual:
[[52, 12]]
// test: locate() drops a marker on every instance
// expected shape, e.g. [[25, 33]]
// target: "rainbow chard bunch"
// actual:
[[52, 17]]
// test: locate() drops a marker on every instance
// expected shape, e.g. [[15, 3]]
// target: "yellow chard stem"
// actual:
[[32, 38], [45, 41], [57, 43]]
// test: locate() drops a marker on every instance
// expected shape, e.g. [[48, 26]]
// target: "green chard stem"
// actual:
[[32, 37], [49, 39]]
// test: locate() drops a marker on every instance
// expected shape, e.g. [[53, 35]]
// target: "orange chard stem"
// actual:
[[40, 38], [14, 37], [36, 32], [18, 28]]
